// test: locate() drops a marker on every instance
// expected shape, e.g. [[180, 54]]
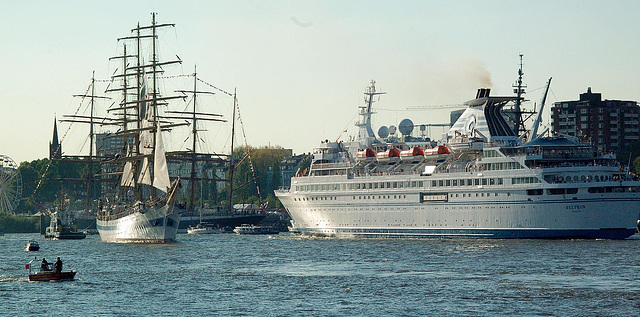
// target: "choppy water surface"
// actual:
[[230, 275]]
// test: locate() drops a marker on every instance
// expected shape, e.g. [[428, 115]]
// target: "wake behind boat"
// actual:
[[488, 183]]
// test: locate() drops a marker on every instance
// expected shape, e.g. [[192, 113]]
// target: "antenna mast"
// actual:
[[519, 91]]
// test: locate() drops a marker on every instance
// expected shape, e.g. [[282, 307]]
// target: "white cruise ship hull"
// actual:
[[493, 213], [152, 225]]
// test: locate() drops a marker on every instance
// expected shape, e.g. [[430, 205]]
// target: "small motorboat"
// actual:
[[47, 274], [203, 229], [255, 229], [32, 246]]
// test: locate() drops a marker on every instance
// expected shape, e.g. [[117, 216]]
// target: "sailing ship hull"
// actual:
[[479, 213], [152, 225]]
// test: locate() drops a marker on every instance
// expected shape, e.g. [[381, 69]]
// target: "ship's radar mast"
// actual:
[[365, 134], [518, 89]]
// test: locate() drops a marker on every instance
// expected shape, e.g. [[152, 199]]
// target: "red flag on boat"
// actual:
[[26, 266]]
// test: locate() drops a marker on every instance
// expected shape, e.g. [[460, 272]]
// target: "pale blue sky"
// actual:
[[301, 67]]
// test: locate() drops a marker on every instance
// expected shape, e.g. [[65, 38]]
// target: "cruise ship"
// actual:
[[485, 179]]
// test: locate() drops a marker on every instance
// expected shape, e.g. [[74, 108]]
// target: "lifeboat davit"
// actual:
[[413, 156], [437, 154], [390, 156]]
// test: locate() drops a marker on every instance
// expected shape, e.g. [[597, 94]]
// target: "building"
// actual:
[[609, 124], [289, 167]]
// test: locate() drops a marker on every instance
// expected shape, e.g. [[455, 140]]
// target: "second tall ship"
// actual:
[[485, 179]]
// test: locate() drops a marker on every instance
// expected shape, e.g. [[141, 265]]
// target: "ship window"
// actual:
[[484, 181], [556, 191], [476, 181], [420, 184], [455, 182], [492, 181], [572, 190], [440, 183], [499, 181], [375, 185], [381, 185], [413, 184], [433, 197], [433, 183], [388, 184], [534, 192], [395, 184], [448, 182], [469, 182]]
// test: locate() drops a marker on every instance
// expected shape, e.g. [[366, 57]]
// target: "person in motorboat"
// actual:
[[45, 265], [58, 265]]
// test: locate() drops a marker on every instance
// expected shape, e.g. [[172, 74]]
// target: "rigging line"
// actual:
[[46, 170], [216, 88], [346, 127], [246, 144]]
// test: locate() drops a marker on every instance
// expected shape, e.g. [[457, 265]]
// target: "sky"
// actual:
[[300, 68]]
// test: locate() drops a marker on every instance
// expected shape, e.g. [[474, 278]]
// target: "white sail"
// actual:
[[161, 179], [145, 173], [128, 179]]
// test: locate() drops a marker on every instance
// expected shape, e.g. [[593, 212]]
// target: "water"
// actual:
[[230, 275]]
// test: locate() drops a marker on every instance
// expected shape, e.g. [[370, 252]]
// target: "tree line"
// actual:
[[256, 175]]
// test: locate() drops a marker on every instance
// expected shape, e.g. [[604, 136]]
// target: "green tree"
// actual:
[[630, 153], [262, 169]]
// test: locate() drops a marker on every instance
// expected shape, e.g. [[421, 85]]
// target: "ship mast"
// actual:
[[365, 134], [90, 119], [194, 116], [517, 111], [231, 162]]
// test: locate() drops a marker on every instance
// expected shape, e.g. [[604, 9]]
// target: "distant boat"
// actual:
[[255, 229], [202, 228], [62, 227], [32, 246], [42, 275], [89, 231]]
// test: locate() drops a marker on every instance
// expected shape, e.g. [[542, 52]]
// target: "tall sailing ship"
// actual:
[[483, 180], [142, 209]]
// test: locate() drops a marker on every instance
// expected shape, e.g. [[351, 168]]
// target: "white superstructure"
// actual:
[[481, 182]]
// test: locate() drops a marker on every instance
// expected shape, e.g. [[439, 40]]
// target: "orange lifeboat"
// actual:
[[414, 155], [438, 150], [437, 154], [389, 156], [365, 155]]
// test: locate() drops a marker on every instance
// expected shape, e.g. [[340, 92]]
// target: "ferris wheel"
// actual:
[[10, 184]]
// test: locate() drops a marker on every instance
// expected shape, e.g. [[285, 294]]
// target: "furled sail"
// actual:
[[161, 179], [128, 179], [145, 172]]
